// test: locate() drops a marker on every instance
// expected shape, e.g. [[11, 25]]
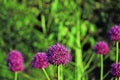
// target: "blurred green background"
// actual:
[[31, 26]]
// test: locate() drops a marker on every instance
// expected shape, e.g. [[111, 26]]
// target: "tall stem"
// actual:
[[46, 73], [15, 76], [60, 72], [101, 62], [43, 24], [117, 44], [78, 51], [117, 54]]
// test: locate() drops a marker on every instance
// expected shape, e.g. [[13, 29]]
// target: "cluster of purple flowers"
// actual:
[[114, 33], [40, 60], [15, 61], [57, 54], [115, 70], [102, 48]]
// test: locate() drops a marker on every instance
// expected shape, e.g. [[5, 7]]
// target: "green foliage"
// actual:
[[33, 25]]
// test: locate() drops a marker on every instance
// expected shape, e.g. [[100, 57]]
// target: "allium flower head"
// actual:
[[40, 60], [115, 70], [58, 54], [101, 48], [114, 33], [15, 61]]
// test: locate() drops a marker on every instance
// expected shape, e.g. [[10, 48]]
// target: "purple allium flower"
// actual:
[[114, 33], [15, 61], [101, 48], [58, 54], [115, 70], [40, 60]]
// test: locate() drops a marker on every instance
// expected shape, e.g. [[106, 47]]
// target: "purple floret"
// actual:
[[15, 61], [115, 70], [40, 60], [101, 48], [58, 54], [114, 33]]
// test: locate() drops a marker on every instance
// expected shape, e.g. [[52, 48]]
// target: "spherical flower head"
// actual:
[[15, 61], [101, 48], [115, 70], [40, 61], [58, 54], [114, 33]]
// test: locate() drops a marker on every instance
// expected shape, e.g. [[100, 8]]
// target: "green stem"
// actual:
[[43, 24], [15, 76], [78, 52], [117, 44], [46, 73], [106, 75], [101, 62], [90, 60], [117, 48], [60, 72]]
